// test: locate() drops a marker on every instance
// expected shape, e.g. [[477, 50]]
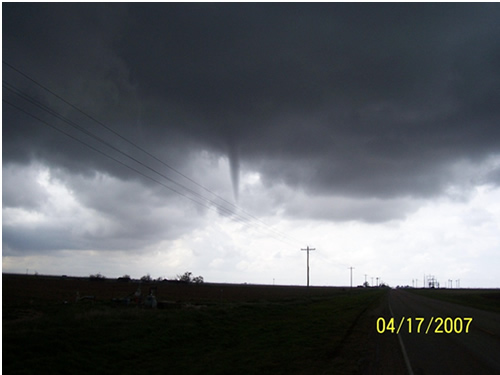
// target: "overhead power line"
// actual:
[[210, 207], [100, 151], [213, 207], [56, 114], [99, 139], [143, 150]]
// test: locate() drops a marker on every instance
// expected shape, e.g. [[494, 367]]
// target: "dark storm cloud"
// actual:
[[367, 100]]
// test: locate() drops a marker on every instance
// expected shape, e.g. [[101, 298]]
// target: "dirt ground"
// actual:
[[363, 351], [30, 289]]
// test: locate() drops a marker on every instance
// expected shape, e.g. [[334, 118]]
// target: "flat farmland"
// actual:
[[22, 289], [206, 328]]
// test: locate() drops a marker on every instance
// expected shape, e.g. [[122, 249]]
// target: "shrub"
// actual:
[[97, 277], [124, 278], [188, 278], [198, 280]]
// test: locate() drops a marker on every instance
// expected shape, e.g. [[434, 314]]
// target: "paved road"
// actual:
[[476, 352]]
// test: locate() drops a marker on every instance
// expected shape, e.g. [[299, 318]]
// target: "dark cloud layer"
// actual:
[[356, 100]]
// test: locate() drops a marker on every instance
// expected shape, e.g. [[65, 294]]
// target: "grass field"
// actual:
[[208, 329], [484, 299]]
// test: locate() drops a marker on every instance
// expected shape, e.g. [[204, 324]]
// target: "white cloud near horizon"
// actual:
[[446, 237]]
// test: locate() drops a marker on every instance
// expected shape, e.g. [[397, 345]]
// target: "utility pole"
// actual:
[[365, 279], [307, 249], [351, 268], [377, 280]]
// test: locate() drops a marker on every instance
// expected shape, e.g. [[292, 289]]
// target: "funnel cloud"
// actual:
[[234, 166]]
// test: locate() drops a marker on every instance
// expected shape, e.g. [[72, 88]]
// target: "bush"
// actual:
[[97, 277], [188, 278], [124, 278], [198, 280]]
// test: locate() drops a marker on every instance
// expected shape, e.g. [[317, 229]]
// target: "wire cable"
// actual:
[[217, 207], [99, 139], [144, 151], [100, 151]]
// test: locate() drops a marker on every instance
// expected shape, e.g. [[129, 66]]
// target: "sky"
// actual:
[[222, 139]]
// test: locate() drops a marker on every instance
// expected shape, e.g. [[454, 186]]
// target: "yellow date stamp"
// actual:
[[436, 325]]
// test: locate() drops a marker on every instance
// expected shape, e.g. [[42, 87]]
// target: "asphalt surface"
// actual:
[[475, 352]]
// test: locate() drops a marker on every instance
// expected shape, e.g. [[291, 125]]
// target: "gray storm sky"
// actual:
[[369, 131]]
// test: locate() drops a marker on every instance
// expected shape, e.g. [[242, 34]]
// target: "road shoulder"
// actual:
[[366, 352]]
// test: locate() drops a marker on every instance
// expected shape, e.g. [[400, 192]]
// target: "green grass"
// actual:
[[293, 336], [484, 299]]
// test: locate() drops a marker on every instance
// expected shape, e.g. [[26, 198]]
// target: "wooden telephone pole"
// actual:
[[307, 249], [351, 268]]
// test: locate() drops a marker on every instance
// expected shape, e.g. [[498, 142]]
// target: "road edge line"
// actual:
[[405, 355]]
